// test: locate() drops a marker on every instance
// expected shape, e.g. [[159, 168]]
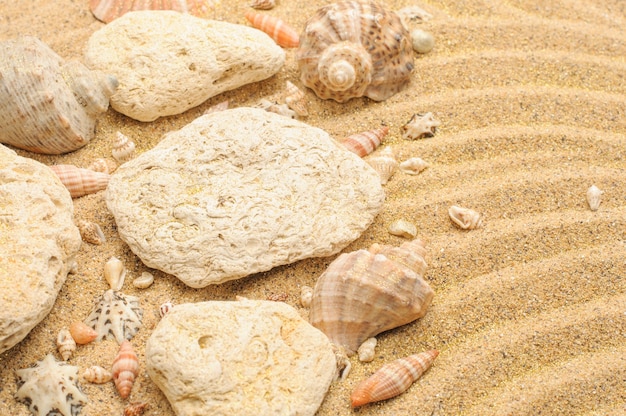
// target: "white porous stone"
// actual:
[[38, 242], [238, 192], [168, 62], [243, 357]]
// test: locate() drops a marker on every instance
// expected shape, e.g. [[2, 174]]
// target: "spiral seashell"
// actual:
[[82, 333], [125, 369], [306, 296], [403, 228], [103, 165], [276, 28], [90, 232], [367, 350], [80, 181], [48, 105], [366, 142], [392, 379], [413, 166], [594, 195], [465, 218], [296, 100], [97, 375], [123, 148], [419, 126], [144, 281], [355, 48], [114, 273], [135, 409], [384, 163], [263, 4], [65, 344], [109, 10], [165, 308], [366, 292]]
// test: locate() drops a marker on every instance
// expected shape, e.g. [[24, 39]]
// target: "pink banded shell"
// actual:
[[80, 181], [366, 142], [109, 10], [276, 28], [125, 369]]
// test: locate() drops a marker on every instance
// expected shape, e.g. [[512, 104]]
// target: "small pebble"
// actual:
[[423, 42]]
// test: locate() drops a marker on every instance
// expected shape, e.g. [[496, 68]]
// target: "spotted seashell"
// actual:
[[144, 281], [306, 296], [97, 375], [80, 181], [109, 10], [465, 218], [422, 41], [276, 28], [367, 350], [366, 142], [125, 369], [82, 333], [90, 232], [123, 148], [263, 4], [413, 166], [114, 273], [403, 228], [165, 308], [353, 49], [392, 379], [217, 107], [594, 195], [103, 165], [366, 292], [117, 315], [65, 344], [419, 126], [135, 409], [385, 163], [48, 105], [296, 100]]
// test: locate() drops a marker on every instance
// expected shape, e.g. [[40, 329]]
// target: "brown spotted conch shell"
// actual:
[[48, 105], [353, 49]]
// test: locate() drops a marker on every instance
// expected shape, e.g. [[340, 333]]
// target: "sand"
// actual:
[[530, 310]]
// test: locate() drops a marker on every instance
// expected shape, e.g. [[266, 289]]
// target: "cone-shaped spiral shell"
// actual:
[[392, 379], [366, 292], [109, 10], [125, 369], [80, 181], [48, 105], [283, 34], [366, 142], [352, 49]]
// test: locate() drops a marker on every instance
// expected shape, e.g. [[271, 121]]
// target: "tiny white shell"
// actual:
[[413, 166], [65, 344], [367, 350], [115, 273], [385, 163], [123, 148], [593, 197], [465, 218], [144, 281], [165, 308], [96, 374], [306, 295], [403, 228], [422, 41]]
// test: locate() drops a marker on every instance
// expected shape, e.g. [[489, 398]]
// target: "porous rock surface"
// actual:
[[238, 192], [38, 243], [168, 62], [240, 358]]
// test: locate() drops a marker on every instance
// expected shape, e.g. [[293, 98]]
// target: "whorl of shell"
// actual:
[[296, 100], [123, 148], [125, 369], [366, 142], [385, 163], [97, 375], [117, 315], [65, 344], [114, 273], [465, 218], [366, 292], [263, 4], [419, 126], [594, 197], [403, 228], [352, 49], [393, 378], [103, 165], [144, 281], [367, 350], [283, 34], [109, 10], [80, 181], [90, 232], [82, 333], [48, 105], [50, 387], [413, 166]]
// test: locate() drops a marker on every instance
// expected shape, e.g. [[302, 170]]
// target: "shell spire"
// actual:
[[125, 369], [283, 34], [366, 142], [393, 378]]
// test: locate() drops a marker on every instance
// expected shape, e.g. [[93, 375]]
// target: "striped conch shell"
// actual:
[[82, 333], [263, 4], [97, 375], [355, 48], [465, 218], [125, 369], [90, 232], [392, 379], [366, 292], [385, 163], [366, 142], [123, 148], [276, 28], [65, 344], [296, 100], [109, 10], [80, 181]]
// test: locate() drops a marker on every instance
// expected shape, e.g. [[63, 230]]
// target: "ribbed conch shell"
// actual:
[[283, 34], [65, 344], [80, 181], [419, 126], [109, 10], [296, 100], [263, 4], [392, 379], [125, 369], [465, 218], [90, 232], [114, 273], [48, 105], [366, 292], [353, 49], [413, 165], [82, 333], [366, 142], [97, 375], [594, 195], [123, 148], [385, 163]]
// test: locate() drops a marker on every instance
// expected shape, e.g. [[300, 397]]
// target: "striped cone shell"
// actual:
[[277, 29], [366, 142], [109, 10], [125, 369], [80, 181], [393, 378]]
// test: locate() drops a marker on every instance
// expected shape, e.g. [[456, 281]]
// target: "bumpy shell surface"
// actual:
[[125, 369], [366, 292], [109, 10], [48, 105], [116, 314], [80, 181], [353, 49], [420, 126]]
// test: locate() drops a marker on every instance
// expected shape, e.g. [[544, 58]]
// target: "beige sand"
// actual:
[[530, 311]]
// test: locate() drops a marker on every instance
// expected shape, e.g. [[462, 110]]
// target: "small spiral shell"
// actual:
[[367, 350], [366, 142], [276, 28], [82, 333], [403, 228], [385, 163], [465, 218], [125, 369], [165, 308], [144, 281], [103, 165], [296, 100], [80, 181], [96, 374], [123, 148], [420, 126], [306, 296], [65, 344], [413, 166], [135, 409]]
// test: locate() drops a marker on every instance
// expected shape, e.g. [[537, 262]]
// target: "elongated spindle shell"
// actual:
[[276, 28], [125, 369], [80, 181], [366, 142], [65, 344]]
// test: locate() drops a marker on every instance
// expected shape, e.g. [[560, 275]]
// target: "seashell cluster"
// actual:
[[48, 105], [65, 344], [276, 28], [366, 142], [355, 48], [366, 292], [114, 273], [109, 10], [594, 195], [465, 218], [123, 148], [385, 163], [115, 314], [392, 379], [90, 232], [81, 333], [125, 369], [403, 228], [263, 4], [413, 166], [144, 281], [97, 375], [80, 181], [419, 126]]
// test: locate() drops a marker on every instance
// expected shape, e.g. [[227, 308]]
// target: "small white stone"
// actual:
[[423, 42], [594, 195]]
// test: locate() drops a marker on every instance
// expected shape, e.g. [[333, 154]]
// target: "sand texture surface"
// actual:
[[529, 312]]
